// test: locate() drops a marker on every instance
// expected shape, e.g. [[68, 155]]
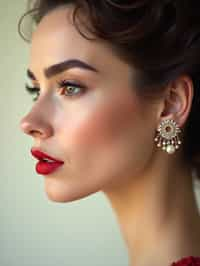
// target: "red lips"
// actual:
[[42, 156], [45, 167]]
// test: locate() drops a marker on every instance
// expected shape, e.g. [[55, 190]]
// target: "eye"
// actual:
[[71, 89]]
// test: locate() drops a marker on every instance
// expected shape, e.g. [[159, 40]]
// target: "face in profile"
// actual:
[[87, 113]]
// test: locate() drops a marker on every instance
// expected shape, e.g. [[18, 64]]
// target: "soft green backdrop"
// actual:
[[35, 231]]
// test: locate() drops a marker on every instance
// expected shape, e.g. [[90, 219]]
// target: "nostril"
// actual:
[[27, 127], [36, 127], [36, 130], [35, 133]]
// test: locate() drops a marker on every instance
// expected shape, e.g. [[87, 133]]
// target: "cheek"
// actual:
[[104, 125], [106, 131]]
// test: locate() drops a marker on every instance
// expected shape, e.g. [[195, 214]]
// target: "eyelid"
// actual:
[[31, 89], [64, 82]]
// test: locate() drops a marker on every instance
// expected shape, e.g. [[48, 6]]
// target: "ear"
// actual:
[[177, 101]]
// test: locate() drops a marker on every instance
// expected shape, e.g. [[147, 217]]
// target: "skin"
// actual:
[[105, 136]]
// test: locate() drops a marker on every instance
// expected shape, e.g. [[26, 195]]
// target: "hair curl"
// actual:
[[159, 38]]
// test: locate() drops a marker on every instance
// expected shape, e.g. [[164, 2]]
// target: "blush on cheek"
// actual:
[[105, 124]]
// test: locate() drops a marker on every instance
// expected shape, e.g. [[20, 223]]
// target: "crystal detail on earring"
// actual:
[[167, 136]]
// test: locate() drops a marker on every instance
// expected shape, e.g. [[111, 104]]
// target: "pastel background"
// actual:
[[33, 230]]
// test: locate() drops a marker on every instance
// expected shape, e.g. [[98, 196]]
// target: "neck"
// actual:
[[158, 214]]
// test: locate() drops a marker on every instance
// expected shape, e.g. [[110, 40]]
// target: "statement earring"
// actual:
[[167, 136]]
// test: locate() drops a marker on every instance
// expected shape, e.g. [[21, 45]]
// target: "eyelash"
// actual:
[[61, 84]]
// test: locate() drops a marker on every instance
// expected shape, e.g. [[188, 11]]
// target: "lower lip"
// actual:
[[45, 168]]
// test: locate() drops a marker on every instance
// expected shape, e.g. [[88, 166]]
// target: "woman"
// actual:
[[117, 111]]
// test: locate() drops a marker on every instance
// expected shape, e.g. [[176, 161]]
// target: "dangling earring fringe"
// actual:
[[167, 136]]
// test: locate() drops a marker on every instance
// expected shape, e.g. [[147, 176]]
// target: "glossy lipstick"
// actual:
[[46, 164]]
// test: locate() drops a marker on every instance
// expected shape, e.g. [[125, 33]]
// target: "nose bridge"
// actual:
[[37, 122]]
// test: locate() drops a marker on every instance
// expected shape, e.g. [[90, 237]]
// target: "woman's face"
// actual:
[[103, 133]]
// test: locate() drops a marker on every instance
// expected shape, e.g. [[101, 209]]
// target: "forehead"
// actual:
[[56, 38]]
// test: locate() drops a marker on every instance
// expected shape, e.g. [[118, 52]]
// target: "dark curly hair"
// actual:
[[161, 39]]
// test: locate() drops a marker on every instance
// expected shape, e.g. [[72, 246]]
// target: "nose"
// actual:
[[36, 126]]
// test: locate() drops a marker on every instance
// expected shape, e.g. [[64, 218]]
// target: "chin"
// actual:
[[57, 199], [56, 196], [59, 195]]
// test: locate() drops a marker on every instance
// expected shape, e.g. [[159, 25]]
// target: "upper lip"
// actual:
[[41, 155]]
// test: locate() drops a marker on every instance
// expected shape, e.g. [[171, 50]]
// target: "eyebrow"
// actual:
[[63, 66]]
